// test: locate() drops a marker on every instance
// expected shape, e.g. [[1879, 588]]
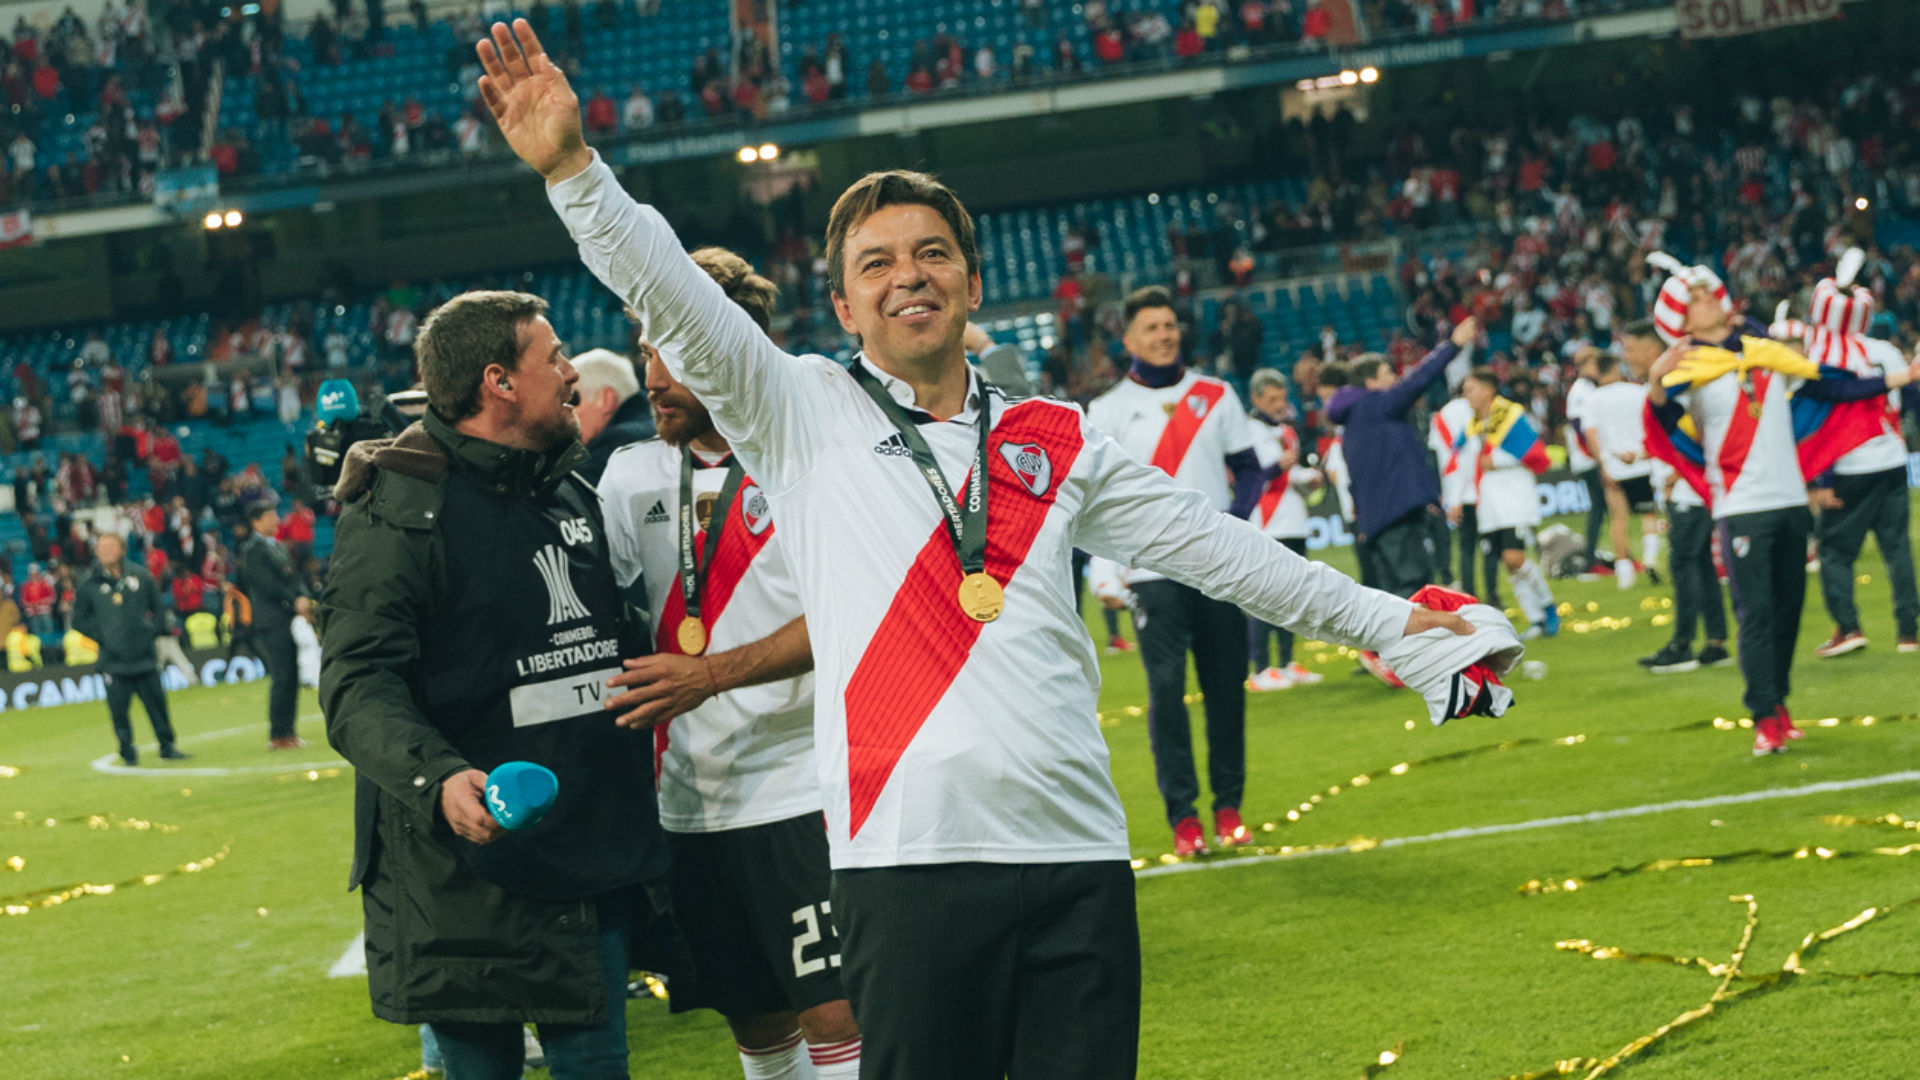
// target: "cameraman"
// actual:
[[470, 619]]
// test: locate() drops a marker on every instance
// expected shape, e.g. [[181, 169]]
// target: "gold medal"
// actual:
[[691, 636], [981, 597], [1753, 409], [116, 600]]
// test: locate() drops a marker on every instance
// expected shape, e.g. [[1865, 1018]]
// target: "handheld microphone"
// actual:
[[520, 793], [337, 402]]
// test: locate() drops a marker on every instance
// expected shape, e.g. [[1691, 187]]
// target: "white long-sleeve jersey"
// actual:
[[940, 739]]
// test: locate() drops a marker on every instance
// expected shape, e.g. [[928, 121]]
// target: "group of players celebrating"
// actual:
[[810, 667]]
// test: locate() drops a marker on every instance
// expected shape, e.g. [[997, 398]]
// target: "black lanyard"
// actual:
[[966, 525], [690, 571]]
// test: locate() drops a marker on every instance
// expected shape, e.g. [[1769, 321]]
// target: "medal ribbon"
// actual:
[[689, 569], [966, 525]]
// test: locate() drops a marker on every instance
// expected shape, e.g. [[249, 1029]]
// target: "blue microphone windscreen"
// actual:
[[520, 793], [337, 400]]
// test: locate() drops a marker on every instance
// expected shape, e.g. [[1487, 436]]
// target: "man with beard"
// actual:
[[471, 619], [980, 852], [729, 697]]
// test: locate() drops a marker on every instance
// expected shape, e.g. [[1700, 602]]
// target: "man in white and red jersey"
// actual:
[[1282, 514], [739, 791], [1192, 428], [1459, 495], [1733, 387], [1580, 460], [1866, 492], [1610, 416], [1505, 453], [981, 882]]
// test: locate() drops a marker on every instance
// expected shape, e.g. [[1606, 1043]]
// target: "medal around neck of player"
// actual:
[[691, 634], [978, 594]]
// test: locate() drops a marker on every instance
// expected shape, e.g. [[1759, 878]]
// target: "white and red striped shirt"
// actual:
[[940, 739], [744, 757], [1447, 438], [1282, 510]]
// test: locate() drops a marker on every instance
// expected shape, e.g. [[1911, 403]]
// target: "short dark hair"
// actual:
[[755, 294], [1640, 328], [259, 510], [1366, 367], [1606, 363], [1485, 376], [1139, 300], [895, 187], [1332, 376], [462, 338]]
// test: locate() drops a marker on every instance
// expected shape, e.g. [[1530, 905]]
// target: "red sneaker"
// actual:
[[1228, 829], [1768, 736], [1119, 645], [1188, 839], [1786, 729], [1379, 669], [1840, 644]]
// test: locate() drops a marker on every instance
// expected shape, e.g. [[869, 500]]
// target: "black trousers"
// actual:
[[1766, 554], [283, 663], [1596, 513], [1258, 633], [1403, 554], [153, 697], [1874, 503], [1171, 620], [983, 971], [1696, 585], [1468, 533]]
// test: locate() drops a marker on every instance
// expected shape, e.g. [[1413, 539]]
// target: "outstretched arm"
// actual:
[[762, 399], [668, 684]]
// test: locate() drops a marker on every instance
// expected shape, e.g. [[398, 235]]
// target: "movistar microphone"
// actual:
[[337, 407], [520, 793]]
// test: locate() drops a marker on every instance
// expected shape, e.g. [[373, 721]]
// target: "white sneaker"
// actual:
[[1270, 679], [1623, 573], [1302, 675]]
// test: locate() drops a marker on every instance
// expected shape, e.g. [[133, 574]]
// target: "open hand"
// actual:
[[664, 686], [1825, 499], [1467, 332], [463, 802], [1425, 618], [538, 112]]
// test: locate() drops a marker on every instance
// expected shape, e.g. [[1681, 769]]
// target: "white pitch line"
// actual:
[[111, 765], [1908, 777], [352, 962]]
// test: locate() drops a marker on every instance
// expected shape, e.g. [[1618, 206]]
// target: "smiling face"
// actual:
[[1479, 394], [1705, 315], [542, 382], [906, 289], [1153, 335]]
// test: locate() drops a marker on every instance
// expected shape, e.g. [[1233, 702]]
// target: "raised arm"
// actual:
[[757, 393], [1136, 516]]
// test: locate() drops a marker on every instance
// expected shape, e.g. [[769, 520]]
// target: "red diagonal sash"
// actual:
[[1270, 498], [1177, 437], [731, 556], [924, 639], [1741, 429]]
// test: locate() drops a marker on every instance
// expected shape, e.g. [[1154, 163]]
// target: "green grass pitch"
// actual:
[[1299, 967]]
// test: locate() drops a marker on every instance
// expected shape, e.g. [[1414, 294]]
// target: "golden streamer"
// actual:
[[1538, 887], [309, 775], [8, 772], [95, 822], [1889, 821], [26, 903]]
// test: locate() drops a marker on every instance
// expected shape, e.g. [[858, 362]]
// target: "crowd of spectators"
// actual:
[[185, 532]]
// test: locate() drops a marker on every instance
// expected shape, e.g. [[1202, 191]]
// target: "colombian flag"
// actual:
[[1823, 431], [1510, 430]]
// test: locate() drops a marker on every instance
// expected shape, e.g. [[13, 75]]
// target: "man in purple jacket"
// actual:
[[1394, 487]]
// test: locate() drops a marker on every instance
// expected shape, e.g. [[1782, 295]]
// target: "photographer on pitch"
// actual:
[[470, 619]]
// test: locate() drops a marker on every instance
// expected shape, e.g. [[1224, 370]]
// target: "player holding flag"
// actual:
[[1749, 453], [1506, 452]]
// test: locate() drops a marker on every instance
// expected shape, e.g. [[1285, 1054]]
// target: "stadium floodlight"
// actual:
[[748, 155], [213, 220], [234, 219], [768, 151], [1369, 75], [1349, 77], [1861, 203]]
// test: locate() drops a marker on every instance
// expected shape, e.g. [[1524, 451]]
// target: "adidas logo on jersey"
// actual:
[[892, 446], [657, 514]]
